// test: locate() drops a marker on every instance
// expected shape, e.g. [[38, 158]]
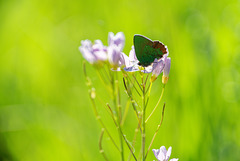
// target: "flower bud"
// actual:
[[166, 71], [93, 93]]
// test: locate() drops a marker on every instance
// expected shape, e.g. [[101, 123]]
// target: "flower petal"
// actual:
[[124, 60], [98, 46], [133, 68], [118, 40], [87, 54], [93, 52], [166, 69], [132, 55], [156, 152], [86, 44], [114, 54], [168, 153], [157, 67], [162, 154], [100, 55], [147, 69]]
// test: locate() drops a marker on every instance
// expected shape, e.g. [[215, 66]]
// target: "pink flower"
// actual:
[[93, 53], [162, 154], [114, 56], [118, 40]]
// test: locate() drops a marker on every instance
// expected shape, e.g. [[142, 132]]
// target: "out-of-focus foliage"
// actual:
[[45, 112]]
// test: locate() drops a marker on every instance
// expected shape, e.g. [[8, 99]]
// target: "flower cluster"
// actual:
[[98, 54]]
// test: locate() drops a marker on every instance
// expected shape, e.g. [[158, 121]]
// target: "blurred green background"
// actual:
[[45, 112]]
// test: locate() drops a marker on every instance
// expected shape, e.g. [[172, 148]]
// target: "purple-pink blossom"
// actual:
[[93, 53], [163, 154], [114, 55], [118, 40]]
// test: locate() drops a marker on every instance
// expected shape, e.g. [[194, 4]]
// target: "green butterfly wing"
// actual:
[[147, 50], [140, 42]]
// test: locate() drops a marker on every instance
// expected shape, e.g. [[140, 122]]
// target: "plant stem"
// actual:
[[149, 88], [117, 125], [107, 73], [101, 122], [100, 145], [156, 130], [125, 112], [92, 98], [132, 100], [137, 82], [117, 109], [160, 98], [143, 120], [134, 140], [133, 83]]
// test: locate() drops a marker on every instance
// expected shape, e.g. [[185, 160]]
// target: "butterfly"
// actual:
[[147, 50]]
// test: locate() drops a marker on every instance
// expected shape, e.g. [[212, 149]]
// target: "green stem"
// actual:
[[143, 120], [100, 145], [160, 98], [125, 112], [149, 88], [92, 98], [101, 122], [125, 139], [106, 73], [156, 130], [133, 84], [134, 140], [117, 109], [118, 101], [132, 101], [137, 82]]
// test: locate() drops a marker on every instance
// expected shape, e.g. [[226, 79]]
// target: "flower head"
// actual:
[[93, 53], [118, 40], [162, 154]]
